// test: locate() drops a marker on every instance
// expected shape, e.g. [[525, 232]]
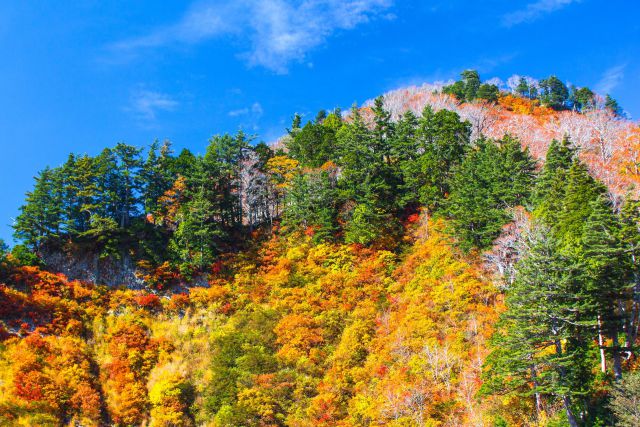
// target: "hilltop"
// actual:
[[459, 254]]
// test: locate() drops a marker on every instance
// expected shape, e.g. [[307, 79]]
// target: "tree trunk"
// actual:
[[538, 398], [617, 362], [567, 407], [603, 359], [566, 401]]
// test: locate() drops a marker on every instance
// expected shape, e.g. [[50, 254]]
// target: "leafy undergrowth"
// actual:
[[293, 333]]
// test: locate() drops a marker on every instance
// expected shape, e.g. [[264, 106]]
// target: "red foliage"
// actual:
[[30, 385], [148, 301], [178, 302]]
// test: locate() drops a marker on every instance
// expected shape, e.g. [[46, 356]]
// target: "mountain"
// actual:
[[444, 255]]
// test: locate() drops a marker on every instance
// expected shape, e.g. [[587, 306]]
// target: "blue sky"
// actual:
[[84, 76]]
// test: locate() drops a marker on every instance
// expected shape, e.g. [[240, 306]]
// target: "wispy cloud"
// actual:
[[533, 11], [611, 79], [145, 104], [255, 110], [277, 32]]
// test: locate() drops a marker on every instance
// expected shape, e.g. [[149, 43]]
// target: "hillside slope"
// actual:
[[456, 255]]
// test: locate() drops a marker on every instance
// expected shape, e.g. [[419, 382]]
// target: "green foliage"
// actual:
[[554, 93], [367, 223], [245, 348], [488, 92], [493, 177], [315, 143], [612, 105], [311, 203], [537, 350], [625, 400], [582, 98], [428, 153], [23, 256]]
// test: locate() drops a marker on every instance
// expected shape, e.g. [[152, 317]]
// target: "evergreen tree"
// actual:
[[198, 235], [488, 92], [582, 98], [156, 175], [314, 144], [41, 216], [493, 177], [440, 142], [523, 88], [630, 241], [81, 193], [604, 266], [223, 164], [456, 89], [554, 93], [613, 106], [311, 203], [184, 164], [471, 80], [579, 191], [558, 160], [383, 130], [359, 162], [538, 350], [126, 185]]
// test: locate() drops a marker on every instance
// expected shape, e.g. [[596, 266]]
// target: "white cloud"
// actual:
[[534, 10], [610, 79], [145, 104], [278, 32], [255, 110], [239, 112]]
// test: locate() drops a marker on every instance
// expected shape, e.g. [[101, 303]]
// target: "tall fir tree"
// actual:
[[538, 350]]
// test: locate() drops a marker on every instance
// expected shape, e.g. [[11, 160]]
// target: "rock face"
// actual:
[[90, 267]]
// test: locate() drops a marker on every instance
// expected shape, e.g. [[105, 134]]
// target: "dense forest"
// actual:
[[441, 256]]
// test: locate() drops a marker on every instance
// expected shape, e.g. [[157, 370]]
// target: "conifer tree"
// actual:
[[197, 237], [630, 241], [537, 352], [580, 190], [488, 92], [471, 80], [441, 140], [493, 177], [156, 175], [604, 266], [553, 92], [41, 216], [523, 88], [558, 159]]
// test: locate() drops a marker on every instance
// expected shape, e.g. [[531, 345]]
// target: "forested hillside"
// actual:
[[448, 255]]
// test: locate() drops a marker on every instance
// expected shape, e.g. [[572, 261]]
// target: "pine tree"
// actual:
[[493, 178], [199, 232], [41, 216], [558, 160], [523, 88], [612, 105], [580, 190], [156, 175], [126, 182], [383, 130], [81, 193], [582, 98], [554, 93], [441, 141], [630, 241], [604, 264], [471, 80], [488, 92], [537, 351]]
